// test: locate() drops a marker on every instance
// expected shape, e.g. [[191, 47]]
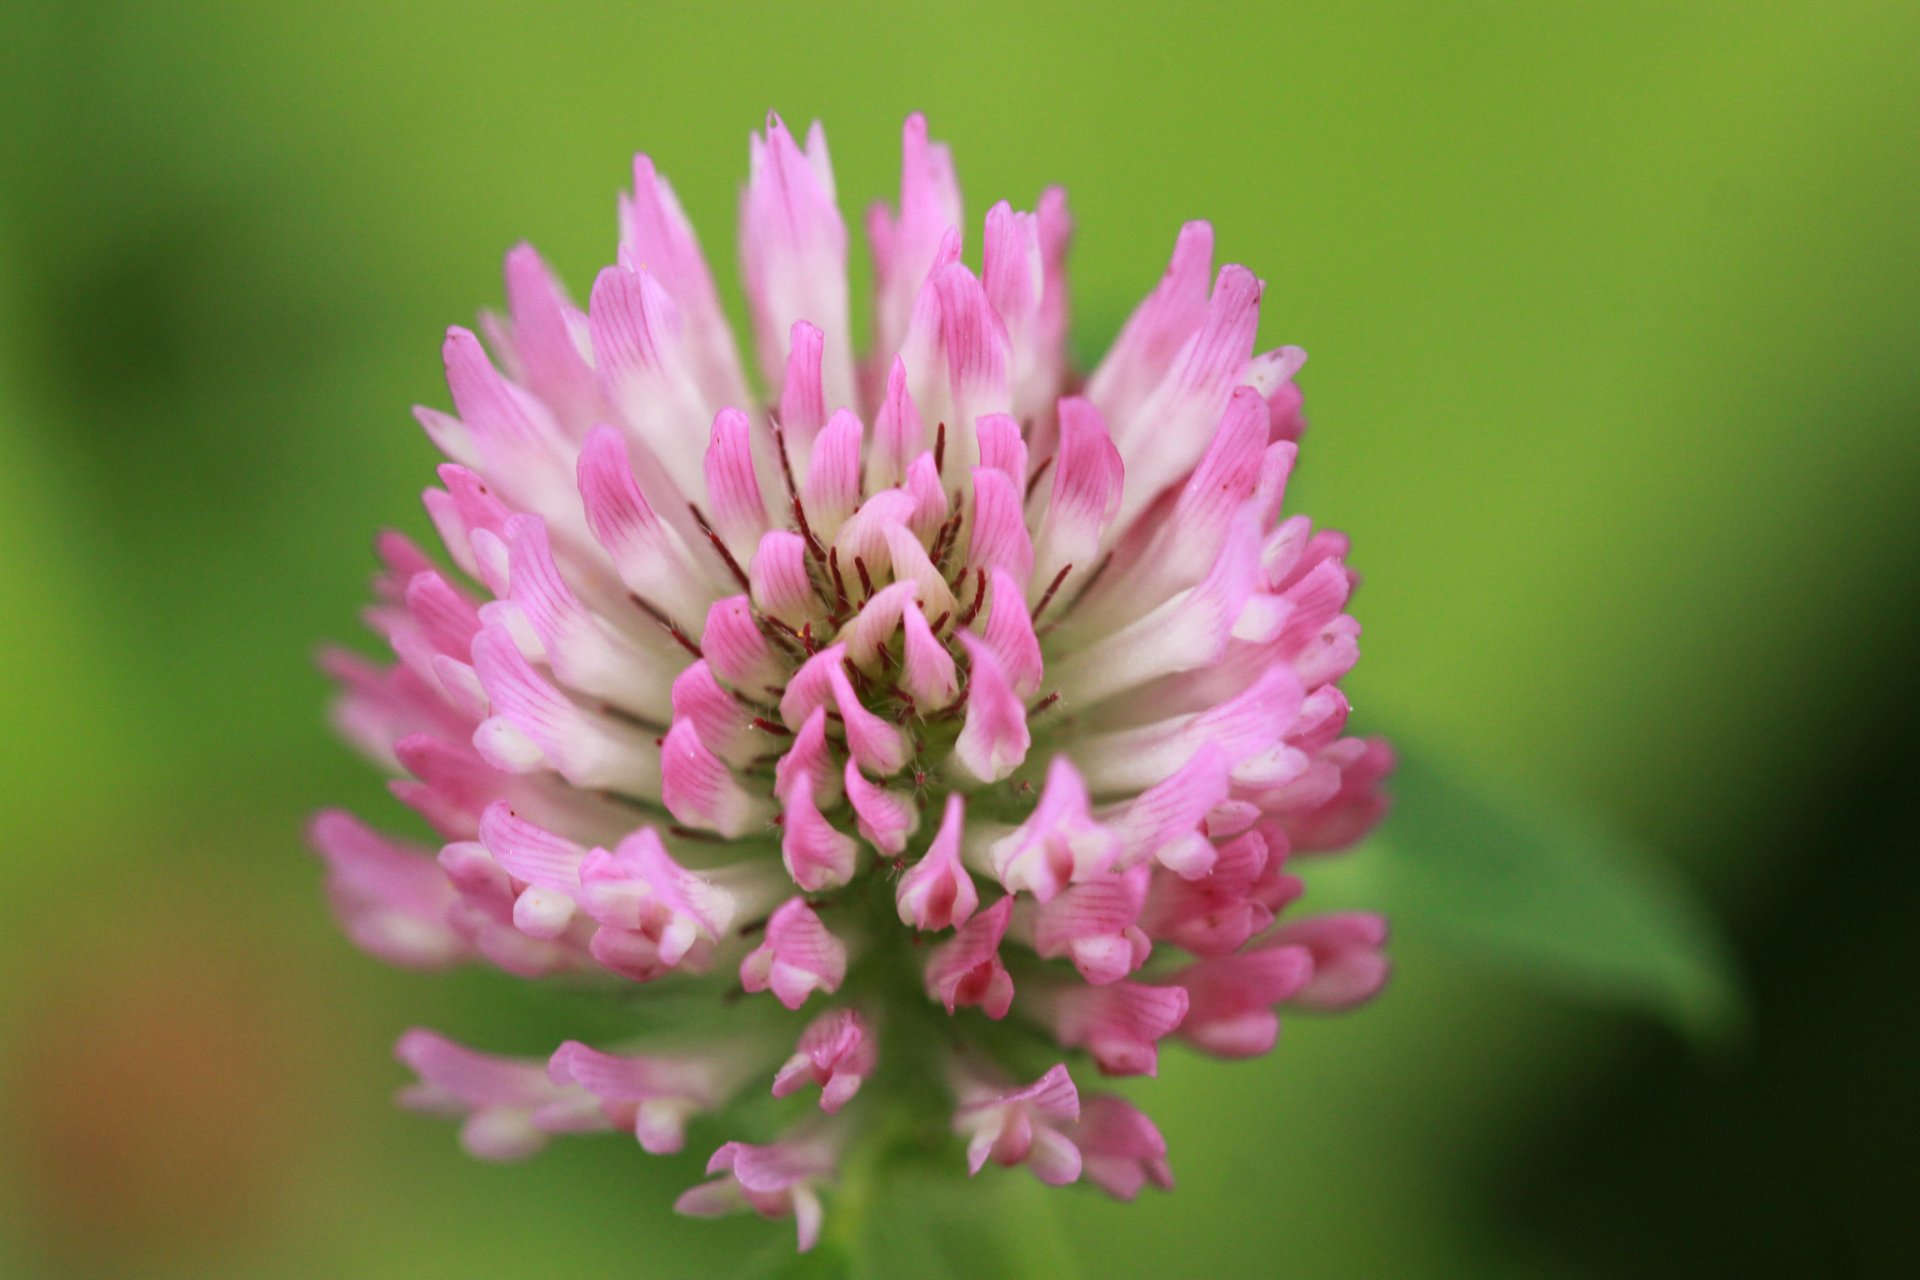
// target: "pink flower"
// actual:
[[837, 1052], [967, 970], [1121, 1150], [937, 892], [1348, 967], [1092, 924], [652, 1096], [1022, 1125], [709, 689], [1231, 999], [799, 957], [777, 1180], [395, 902], [1120, 1025], [510, 1104], [1060, 843]]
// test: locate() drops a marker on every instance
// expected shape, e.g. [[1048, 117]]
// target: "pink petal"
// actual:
[[993, 741], [817, 855], [1120, 1146], [1059, 843], [937, 892], [904, 250], [582, 650], [1092, 924], [1001, 447], [966, 969], [793, 252], [886, 818], [392, 898], [1348, 968], [534, 724], [1009, 634], [648, 554], [798, 957], [1121, 1024], [655, 232], [723, 726], [867, 636], [927, 670], [639, 347], [738, 510], [1085, 494], [778, 573], [545, 341], [736, 650], [809, 759], [832, 487], [700, 790], [999, 539], [803, 399], [898, 435]]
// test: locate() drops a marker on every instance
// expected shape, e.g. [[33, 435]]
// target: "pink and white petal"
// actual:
[[534, 725], [798, 957], [392, 898], [1085, 495], [937, 892], [737, 651], [723, 725], [648, 553], [994, 739], [780, 585], [793, 253], [966, 969], [906, 248], [734, 494], [831, 490], [817, 855], [887, 819], [1010, 636], [546, 342], [927, 671], [998, 539], [655, 232], [700, 790]]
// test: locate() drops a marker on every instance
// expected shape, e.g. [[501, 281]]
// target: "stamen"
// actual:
[[1079, 595], [672, 628], [943, 540], [793, 493], [841, 603], [784, 634], [1046, 597], [780, 447], [1033, 481], [979, 597], [814, 548], [733, 565]]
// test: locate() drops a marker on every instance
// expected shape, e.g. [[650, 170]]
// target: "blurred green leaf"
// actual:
[[1550, 890]]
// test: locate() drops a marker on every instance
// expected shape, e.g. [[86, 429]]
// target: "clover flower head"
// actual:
[[939, 723]]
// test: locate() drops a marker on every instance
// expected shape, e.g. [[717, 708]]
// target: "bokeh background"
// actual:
[[1614, 312]]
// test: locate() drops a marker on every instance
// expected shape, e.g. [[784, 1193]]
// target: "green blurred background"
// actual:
[[1613, 312]]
